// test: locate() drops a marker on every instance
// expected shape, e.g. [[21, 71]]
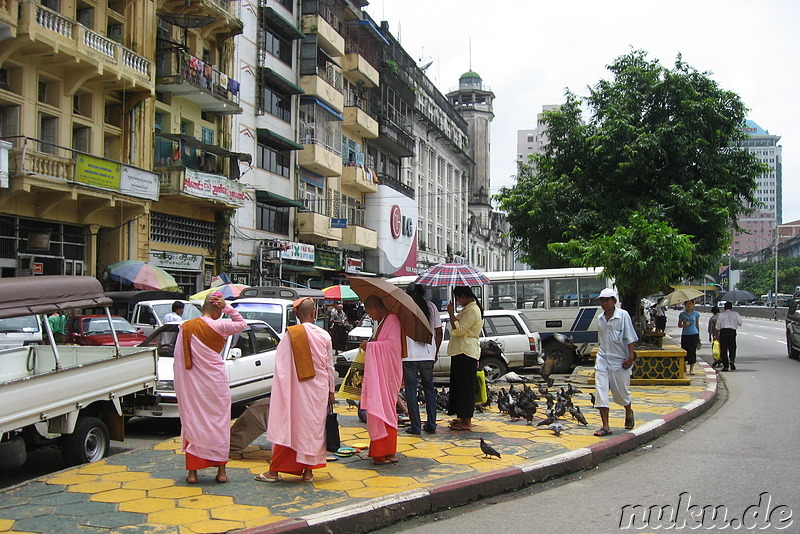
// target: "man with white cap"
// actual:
[[614, 362]]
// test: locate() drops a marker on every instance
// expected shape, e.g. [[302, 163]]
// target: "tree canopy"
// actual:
[[759, 278], [655, 166]]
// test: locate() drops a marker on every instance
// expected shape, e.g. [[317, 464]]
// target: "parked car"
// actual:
[[95, 330], [249, 358], [507, 342], [793, 327], [149, 314], [362, 332], [20, 332]]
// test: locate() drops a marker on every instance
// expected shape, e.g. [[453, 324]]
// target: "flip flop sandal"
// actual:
[[262, 478], [602, 432], [629, 423]]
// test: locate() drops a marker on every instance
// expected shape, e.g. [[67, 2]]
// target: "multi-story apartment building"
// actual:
[[530, 142], [758, 228], [75, 79]]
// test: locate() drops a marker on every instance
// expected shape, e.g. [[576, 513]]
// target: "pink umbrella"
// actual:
[[142, 275]]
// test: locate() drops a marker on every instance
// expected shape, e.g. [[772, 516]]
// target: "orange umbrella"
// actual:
[[396, 301]]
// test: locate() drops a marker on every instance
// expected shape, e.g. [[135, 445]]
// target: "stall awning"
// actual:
[[278, 140], [191, 142], [323, 105], [284, 26], [269, 75], [298, 268], [273, 199]]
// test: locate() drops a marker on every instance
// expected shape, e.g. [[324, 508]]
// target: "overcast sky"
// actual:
[[529, 51]]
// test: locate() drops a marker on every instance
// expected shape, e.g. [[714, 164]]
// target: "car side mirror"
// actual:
[[235, 352]]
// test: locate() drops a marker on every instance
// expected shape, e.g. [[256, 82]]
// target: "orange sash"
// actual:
[[204, 333], [301, 351]]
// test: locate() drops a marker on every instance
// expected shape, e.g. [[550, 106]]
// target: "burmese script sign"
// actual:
[[176, 260], [213, 187]]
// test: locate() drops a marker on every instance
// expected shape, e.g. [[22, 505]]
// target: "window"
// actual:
[[264, 340], [273, 219], [503, 325], [115, 30], [85, 14], [207, 135], [275, 45], [273, 160], [563, 292], [312, 196], [48, 133], [80, 138], [274, 101]]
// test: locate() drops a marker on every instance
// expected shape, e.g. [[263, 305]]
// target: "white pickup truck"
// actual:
[[66, 395]]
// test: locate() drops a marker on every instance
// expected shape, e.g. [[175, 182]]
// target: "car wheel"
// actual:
[[493, 367], [793, 352], [88, 442], [560, 356]]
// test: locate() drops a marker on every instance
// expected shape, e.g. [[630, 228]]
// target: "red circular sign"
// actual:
[[395, 221]]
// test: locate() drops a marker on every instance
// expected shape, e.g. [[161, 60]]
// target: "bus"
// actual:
[[562, 305]]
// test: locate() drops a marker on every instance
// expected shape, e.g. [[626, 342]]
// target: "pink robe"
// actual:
[[297, 409], [383, 375], [204, 395]]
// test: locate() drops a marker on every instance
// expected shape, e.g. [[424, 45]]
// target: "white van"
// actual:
[[20, 332]]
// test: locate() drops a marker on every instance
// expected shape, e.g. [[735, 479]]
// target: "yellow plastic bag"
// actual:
[[715, 349], [351, 385], [480, 388]]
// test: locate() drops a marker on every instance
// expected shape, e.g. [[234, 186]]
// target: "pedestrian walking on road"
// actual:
[[727, 323], [201, 385], [419, 362], [614, 361], [689, 320], [713, 338], [301, 393]]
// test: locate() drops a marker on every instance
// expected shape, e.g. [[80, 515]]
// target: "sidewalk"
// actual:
[[144, 491]]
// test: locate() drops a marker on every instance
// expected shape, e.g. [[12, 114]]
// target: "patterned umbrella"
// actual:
[[142, 275], [339, 292], [229, 291], [452, 274]]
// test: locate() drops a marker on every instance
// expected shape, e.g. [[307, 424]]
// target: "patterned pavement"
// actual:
[[144, 491]]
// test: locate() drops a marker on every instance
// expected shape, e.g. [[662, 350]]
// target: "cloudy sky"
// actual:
[[529, 51]]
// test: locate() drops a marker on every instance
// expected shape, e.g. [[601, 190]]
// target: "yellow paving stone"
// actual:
[[93, 487], [101, 468], [463, 460], [423, 453], [175, 492], [126, 476], [168, 445], [354, 474], [149, 483], [435, 474], [206, 502], [71, 479], [390, 482], [369, 493], [240, 512], [6, 524], [517, 434], [213, 526], [464, 451], [404, 447], [177, 516], [146, 505], [119, 495], [338, 485]]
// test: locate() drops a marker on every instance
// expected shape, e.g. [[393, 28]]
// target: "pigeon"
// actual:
[[352, 404], [487, 450], [575, 412], [591, 398], [556, 428], [529, 411], [549, 420], [572, 390]]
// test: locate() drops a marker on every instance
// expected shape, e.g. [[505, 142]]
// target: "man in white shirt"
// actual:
[[176, 315], [420, 360], [727, 323], [614, 362]]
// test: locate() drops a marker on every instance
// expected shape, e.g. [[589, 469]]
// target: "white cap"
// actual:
[[608, 293]]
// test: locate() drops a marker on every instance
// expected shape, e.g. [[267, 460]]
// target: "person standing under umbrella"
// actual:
[[689, 320], [465, 352], [383, 374], [727, 323]]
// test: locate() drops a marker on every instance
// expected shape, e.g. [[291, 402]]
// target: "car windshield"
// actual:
[[190, 311], [27, 323], [272, 314], [100, 325]]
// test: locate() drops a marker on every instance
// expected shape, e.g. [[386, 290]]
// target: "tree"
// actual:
[[659, 146], [759, 278]]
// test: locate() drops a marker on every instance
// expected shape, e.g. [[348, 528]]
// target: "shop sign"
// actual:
[[139, 183], [327, 260], [353, 266], [97, 172], [176, 260], [240, 278], [38, 267], [298, 252], [204, 185]]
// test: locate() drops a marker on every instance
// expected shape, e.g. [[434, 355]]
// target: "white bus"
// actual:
[[559, 303]]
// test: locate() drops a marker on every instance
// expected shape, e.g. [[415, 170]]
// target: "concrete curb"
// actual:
[[384, 511]]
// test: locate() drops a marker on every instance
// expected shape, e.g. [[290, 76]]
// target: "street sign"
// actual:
[[338, 223]]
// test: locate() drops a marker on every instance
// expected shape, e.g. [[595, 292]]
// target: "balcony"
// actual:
[[327, 38], [360, 122], [358, 178], [320, 159], [395, 138], [316, 227], [184, 75], [327, 85], [226, 15], [78, 52], [8, 19], [358, 70], [193, 188], [359, 236]]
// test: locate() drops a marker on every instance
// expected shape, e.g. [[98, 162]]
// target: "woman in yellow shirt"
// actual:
[[465, 352]]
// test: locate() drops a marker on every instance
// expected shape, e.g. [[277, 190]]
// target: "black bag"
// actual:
[[332, 440]]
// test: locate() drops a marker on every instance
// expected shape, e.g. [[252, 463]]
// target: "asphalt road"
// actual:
[[741, 454]]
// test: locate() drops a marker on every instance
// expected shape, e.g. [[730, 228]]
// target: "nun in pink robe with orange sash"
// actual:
[[201, 385], [383, 376]]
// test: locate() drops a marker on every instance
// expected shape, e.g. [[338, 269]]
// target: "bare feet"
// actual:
[[192, 477], [222, 475]]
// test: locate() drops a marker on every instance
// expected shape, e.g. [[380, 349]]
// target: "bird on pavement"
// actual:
[[556, 428], [577, 414], [352, 404], [487, 450], [591, 398], [549, 420]]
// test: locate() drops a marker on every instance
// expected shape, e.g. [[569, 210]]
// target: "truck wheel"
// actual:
[[493, 367], [793, 352], [561, 357], [88, 442], [12, 453]]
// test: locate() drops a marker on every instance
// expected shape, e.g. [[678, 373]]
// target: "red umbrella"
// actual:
[[452, 274], [339, 292]]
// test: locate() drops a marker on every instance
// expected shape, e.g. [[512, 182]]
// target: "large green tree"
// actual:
[[657, 145], [759, 278]]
